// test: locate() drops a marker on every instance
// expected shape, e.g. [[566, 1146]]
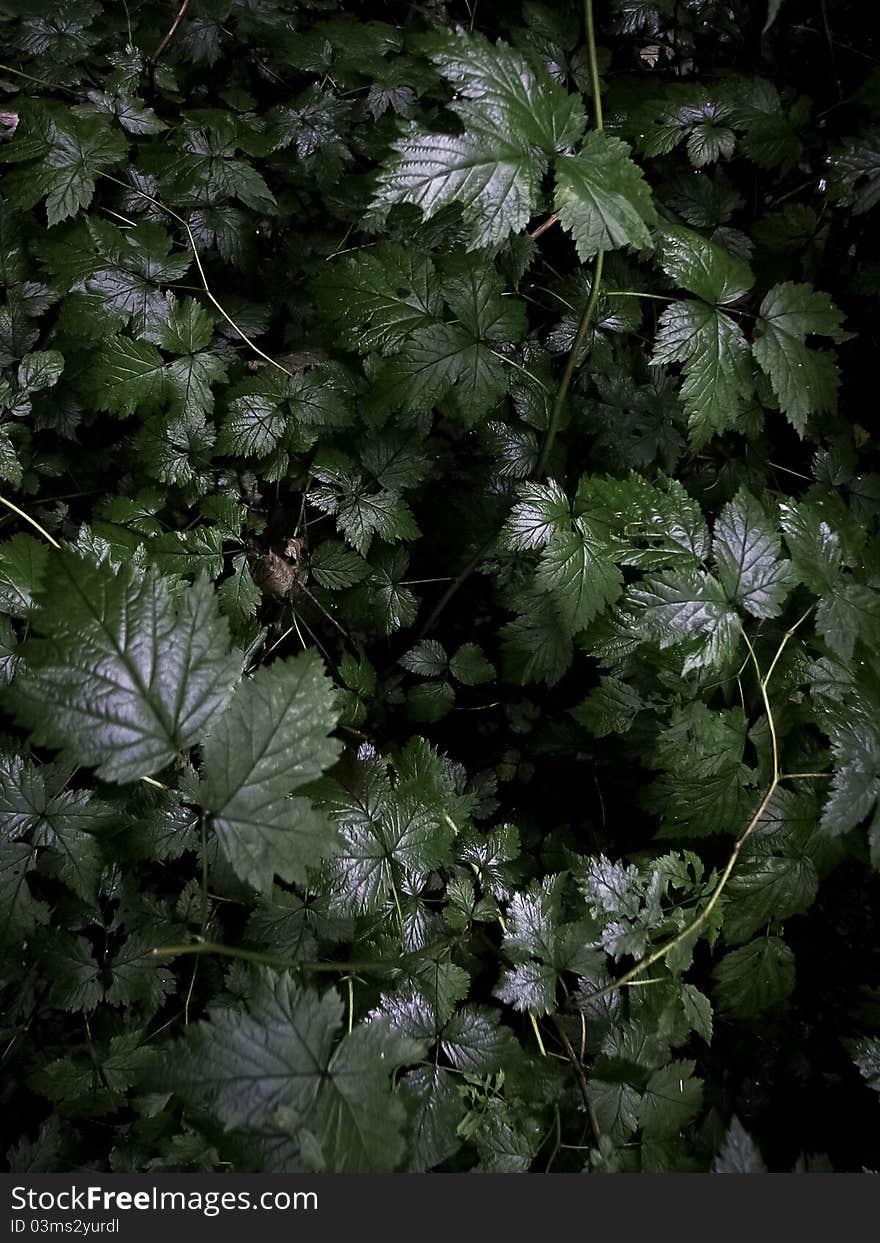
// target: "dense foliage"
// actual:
[[439, 585]]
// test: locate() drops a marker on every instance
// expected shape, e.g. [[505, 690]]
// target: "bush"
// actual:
[[439, 610]]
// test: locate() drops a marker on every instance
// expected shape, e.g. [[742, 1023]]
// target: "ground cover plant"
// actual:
[[439, 586]]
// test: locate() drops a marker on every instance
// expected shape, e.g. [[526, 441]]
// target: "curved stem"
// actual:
[[707, 910], [32, 521]]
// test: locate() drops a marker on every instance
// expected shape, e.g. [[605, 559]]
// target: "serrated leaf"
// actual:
[[537, 644], [671, 1099], [577, 569], [133, 674], [500, 89], [609, 709], [377, 300], [540, 509], [277, 1068], [715, 355], [602, 198], [238, 595], [804, 380], [768, 888], [389, 838], [747, 556], [676, 608], [739, 1154], [429, 701], [21, 911], [701, 267], [755, 978], [252, 426], [512, 114], [23, 561], [60, 822], [40, 370], [493, 178], [187, 329], [470, 666], [855, 173], [866, 1055], [128, 375], [428, 659], [271, 740]]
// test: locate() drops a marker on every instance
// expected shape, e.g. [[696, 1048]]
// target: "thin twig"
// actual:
[[578, 1069], [567, 375], [454, 586], [544, 226], [181, 13], [32, 521]]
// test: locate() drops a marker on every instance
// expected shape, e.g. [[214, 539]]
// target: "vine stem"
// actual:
[[202, 276], [577, 1067], [589, 311], [200, 946], [567, 375], [181, 13], [776, 777], [32, 521]]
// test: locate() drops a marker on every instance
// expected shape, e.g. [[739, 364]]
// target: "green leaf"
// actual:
[[252, 426], [577, 569], [186, 330], [747, 548], [602, 198], [461, 359], [671, 1099], [277, 1068], [430, 701], [71, 151], [541, 508], [804, 380], [22, 913], [701, 267], [40, 370], [128, 375], [271, 740], [492, 176], [238, 595], [677, 608], [391, 839], [470, 666], [717, 367], [768, 888], [537, 644], [334, 566], [377, 300], [753, 979], [609, 709], [134, 676], [498, 88], [59, 822], [855, 173], [23, 561], [428, 659]]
